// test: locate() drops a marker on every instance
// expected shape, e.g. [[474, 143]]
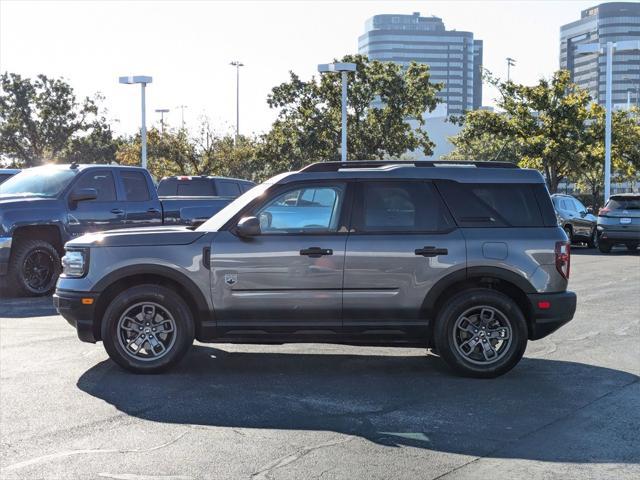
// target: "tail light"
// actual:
[[604, 211], [563, 258]]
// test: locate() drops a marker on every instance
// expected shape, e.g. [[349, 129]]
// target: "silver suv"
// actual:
[[464, 258]]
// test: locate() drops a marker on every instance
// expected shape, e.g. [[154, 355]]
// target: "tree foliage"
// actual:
[[41, 120], [381, 97]]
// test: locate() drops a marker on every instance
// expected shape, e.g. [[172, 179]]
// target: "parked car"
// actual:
[[619, 222], [7, 173], [577, 220], [466, 259], [203, 186], [42, 208]]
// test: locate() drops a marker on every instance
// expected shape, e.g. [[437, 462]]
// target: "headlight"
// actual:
[[75, 263]]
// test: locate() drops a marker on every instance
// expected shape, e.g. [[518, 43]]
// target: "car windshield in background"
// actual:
[[622, 203], [47, 181]]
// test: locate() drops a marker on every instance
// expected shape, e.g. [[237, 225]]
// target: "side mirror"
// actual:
[[589, 210], [248, 227], [82, 195]]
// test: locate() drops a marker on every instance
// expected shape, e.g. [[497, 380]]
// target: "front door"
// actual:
[[103, 213], [403, 242], [288, 278]]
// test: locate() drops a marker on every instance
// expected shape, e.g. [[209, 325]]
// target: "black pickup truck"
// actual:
[[42, 208]]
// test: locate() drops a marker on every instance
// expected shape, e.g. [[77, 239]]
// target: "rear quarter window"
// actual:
[[498, 205]]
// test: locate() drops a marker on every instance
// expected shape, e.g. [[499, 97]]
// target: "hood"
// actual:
[[26, 200], [137, 237]]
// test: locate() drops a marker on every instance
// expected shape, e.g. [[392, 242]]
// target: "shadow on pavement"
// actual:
[[392, 401], [617, 251], [27, 307]]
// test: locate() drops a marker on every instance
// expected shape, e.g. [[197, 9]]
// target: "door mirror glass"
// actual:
[[83, 194], [248, 227], [589, 210]]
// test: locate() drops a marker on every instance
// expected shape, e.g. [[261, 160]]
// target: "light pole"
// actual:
[[182, 107], [162, 111], [237, 64], [608, 49], [142, 80], [511, 62], [344, 69]]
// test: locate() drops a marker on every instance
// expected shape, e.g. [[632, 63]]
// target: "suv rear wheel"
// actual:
[[604, 247], [632, 246], [147, 329], [481, 333]]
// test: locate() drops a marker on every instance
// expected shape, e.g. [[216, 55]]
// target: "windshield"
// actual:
[[223, 216], [46, 181], [624, 203]]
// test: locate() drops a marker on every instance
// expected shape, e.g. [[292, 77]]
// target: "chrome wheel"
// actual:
[[482, 335], [146, 331]]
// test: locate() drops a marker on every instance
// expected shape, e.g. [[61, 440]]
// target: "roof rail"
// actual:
[[335, 166]]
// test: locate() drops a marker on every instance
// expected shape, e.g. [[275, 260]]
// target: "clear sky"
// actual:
[[187, 46]]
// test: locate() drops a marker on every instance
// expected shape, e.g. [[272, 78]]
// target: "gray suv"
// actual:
[[577, 220], [464, 258], [619, 222]]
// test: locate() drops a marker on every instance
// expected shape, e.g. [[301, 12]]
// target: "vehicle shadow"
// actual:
[[26, 307], [390, 400]]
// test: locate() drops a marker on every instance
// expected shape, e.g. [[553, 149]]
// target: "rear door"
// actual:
[[142, 206], [290, 276], [402, 242]]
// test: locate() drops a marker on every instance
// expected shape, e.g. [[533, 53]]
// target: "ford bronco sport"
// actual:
[[465, 258]]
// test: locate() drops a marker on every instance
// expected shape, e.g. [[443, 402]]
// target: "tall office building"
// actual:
[[454, 57], [607, 22]]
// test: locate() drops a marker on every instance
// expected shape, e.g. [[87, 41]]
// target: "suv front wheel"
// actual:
[[147, 329], [481, 333]]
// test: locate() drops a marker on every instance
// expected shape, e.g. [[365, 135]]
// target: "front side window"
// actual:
[[102, 181], [310, 209], [400, 207]]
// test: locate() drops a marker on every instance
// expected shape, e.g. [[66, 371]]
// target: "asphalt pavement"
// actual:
[[570, 409]]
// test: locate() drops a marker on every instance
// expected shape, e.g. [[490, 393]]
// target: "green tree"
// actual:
[[41, 120], [625, 150], [541, 125], [381, 97]]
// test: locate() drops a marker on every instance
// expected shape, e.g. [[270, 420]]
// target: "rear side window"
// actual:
[[623, 203], [135, 186], [228, 189], [400, 207], [498, 205], [195, 187]]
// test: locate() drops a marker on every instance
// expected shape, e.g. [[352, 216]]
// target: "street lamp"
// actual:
[[608, 50], [182, 107], [162, 111], [237, 64], [343, 68], [142, 80], [511, 62]]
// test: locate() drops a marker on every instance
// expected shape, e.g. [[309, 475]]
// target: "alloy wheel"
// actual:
[[146, 331], [482, 335], [38, 270]]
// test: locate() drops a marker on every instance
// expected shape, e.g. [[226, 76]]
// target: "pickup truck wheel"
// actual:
[[34, 268], [481, 333], [147, 329]]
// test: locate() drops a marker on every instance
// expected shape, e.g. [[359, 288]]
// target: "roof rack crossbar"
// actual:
[[335, 166]]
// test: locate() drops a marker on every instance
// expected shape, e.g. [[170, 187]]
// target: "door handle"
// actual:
[[117, 211], [153, 210], [315, 252], [431, 251]]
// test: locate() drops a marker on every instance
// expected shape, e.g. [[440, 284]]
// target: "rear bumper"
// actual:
[[618, 235], [560, 310], [79, 315]]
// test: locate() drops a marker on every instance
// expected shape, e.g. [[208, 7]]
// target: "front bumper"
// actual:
[[547, 319], [5, 254], [79, 315]]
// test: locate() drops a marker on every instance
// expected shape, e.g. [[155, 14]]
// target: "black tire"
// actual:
[[169, 302], [593, 239], [569, 231], [631, 246], [445, 333], [25, 275], [604, 247]]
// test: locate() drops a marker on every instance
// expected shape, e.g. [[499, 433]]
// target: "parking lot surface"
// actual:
[[570, 409]]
